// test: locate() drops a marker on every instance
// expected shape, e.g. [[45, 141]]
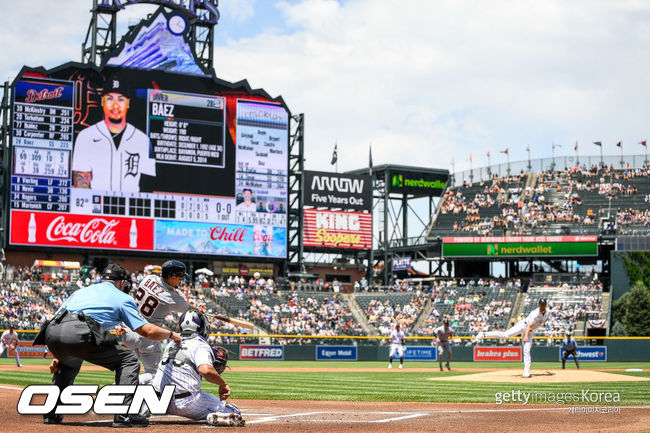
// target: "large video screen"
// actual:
[[138, 160]]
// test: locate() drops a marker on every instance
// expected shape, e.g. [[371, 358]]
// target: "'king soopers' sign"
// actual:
[[210, 14]]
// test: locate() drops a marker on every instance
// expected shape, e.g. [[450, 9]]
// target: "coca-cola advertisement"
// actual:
[[221, 239], [81, 231]]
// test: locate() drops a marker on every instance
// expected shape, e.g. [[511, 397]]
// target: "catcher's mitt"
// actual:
[[220, 358]]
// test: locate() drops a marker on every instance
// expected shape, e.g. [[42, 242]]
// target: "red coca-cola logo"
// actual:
[[96, 231], [221, 233]]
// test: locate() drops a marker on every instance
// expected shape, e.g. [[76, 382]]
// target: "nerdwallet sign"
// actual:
[[338, 191], [205, 11]]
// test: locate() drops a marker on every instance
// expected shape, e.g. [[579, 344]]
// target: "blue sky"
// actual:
[[423, 81]]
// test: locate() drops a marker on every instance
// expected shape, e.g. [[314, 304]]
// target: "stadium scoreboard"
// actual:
[[203, 171]]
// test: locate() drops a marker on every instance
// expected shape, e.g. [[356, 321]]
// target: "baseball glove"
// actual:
[[220, 358]]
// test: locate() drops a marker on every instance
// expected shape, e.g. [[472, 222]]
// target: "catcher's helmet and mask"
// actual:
[[193, 323]]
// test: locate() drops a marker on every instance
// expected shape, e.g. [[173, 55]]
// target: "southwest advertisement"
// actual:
[[520, 246]]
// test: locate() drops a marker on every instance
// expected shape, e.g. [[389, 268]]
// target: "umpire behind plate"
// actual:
[[186, 364], [79, 332]]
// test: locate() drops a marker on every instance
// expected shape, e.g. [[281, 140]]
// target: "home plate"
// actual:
[[543, 376]]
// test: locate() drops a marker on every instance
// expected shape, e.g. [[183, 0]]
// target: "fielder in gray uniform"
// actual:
[[443, 344], [156, 298], [186, 364]]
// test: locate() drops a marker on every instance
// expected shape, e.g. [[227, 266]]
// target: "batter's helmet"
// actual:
[[193, 322], [173, 268]]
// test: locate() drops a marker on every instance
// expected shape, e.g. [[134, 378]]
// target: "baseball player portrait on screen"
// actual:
[[112, 154]]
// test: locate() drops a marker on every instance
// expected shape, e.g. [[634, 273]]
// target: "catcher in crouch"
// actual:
[[186, 365]]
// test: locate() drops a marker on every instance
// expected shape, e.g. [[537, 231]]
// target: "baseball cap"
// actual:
[[446, 321], [115, 84], [542, 301], [116, 272]]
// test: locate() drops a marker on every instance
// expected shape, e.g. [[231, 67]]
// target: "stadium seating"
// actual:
[[570, 201]]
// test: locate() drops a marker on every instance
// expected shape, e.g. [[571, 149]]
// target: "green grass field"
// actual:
[[393, 385]]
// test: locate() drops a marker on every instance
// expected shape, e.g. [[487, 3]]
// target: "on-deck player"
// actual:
[[186, 365], [9, 340], [569, 347], [444, 334], [112, 154], [525, 328], [397, 341], [156, 298]]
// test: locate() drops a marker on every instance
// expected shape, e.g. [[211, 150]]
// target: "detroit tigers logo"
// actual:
[[131, 163]]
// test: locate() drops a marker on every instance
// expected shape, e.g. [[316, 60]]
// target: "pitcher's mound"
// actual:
[[543, 376]]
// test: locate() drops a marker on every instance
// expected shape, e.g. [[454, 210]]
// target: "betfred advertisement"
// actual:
[[420, 353], [337, 229], [221, 239], [590, 353], [497, 354], [80, 231], [261, 353], [336, 353], [26, 350]]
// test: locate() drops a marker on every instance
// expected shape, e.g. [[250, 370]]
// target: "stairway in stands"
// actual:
[[359, 314], [517, 308], [424, 314]]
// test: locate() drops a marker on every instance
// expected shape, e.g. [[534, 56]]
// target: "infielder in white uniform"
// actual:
[[443, 344], [525, 328], [185, 365], [112, 154], [156, 298], [9, 340], [397, 341]]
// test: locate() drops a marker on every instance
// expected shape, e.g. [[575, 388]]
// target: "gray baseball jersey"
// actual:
[[157, 299], [180, 365], [443, 335]]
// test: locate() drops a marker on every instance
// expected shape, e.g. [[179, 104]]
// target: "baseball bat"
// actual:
[[236, 322]]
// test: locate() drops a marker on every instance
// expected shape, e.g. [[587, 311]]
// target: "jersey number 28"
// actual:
[[148, 306]]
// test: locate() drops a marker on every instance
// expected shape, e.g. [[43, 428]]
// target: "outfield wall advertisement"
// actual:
[[589, 353], [497, 354], [520, 246]]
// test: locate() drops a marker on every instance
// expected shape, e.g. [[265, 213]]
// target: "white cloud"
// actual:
[[425, 81], [422, 81]]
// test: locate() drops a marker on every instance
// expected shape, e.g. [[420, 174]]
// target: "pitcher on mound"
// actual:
[[525, 328]]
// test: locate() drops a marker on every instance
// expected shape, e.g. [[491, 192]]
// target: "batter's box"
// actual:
[[338, 417]]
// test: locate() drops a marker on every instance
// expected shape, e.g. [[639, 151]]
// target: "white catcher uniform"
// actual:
[[180, 366], [396, 338], [156, 300], [537, 319], [113, 169], [7, 340]]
